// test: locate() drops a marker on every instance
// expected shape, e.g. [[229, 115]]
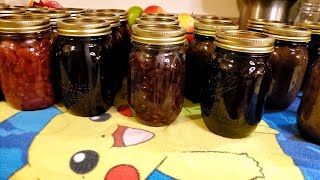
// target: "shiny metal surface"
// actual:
[[264, 9]]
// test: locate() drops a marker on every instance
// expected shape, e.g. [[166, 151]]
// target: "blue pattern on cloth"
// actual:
[[17, 134], [305, 155]]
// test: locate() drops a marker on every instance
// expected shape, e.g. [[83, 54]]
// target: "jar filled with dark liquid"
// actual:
[[258, 25], [233, 98], [125, 32], [308, 117], [85, 65], [289, 62], [314, 45], [200, 52], [156, 75]]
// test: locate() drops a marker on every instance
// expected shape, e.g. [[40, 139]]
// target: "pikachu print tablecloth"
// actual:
[[53, 144]]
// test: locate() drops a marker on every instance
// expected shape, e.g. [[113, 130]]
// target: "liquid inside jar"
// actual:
[[156, 83], [308, 117], [125, 32], [232, 103], [200, 52], [86, 74], [26, 76], [289, 61]]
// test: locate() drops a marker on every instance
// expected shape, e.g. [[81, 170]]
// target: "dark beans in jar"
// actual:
[[289, 61], [86, 74], [156, 84], [125, 32], [200, 52], [26, 76]]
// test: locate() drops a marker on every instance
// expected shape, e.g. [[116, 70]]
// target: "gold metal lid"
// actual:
[[209, 18], [313, 26], [4, 5], [259, 24], [244, 41], [156, 20], [210, 28], [24, 24], [289, 33], [54, 15], [160, 15], [83, 27], [31, 8], [113, 19], [13, 10], [158, 34], [73, 11], [119, 12]]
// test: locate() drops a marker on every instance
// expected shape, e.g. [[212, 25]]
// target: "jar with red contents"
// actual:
[[157, 72], [85, 65], [25, 57], [125, 33]]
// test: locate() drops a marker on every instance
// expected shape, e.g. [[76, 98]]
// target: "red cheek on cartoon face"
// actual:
[[122, 172]]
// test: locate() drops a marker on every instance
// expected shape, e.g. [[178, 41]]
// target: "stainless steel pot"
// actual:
[[264, 9]]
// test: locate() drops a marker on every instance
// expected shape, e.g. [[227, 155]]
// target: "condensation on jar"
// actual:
[[25, 50], [313, 47], [200, 52], [258, 25], [239, 78], [156, 73], [289, 62], [85, 61], [308, 118]]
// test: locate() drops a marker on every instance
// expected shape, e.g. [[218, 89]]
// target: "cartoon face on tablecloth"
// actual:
[[115, 146]]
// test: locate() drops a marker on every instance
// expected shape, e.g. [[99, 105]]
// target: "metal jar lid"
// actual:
[[289, 33], [119, 12], [31, 8], [24, 24], [259, 24], [244, 41], [156, 20], [158, 34], [4, 5], [160, 15], [73, 11], [13, 10], [83, 27], [54, 15], [209, 28], [209, 18], [113, 19], [313, 26]]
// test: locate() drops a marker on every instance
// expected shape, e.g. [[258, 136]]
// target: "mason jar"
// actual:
[[11, 11], [73, 11], [156, 20], [156, 73], [308, 112], [85, 65], [160, 15], [258, 25], [25, 50], [289, 62], [4, 5], [125, 32], [313, 47], [234, 95], [200, 52], [210, 18], [31, 8]]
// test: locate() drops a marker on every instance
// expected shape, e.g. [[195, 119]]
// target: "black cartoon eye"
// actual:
[[84, 161], [101, 118]]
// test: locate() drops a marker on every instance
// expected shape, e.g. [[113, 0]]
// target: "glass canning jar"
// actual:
[[160, 15], [125, 32], [73, 11], [25, 50], [289, 62], [210, 18], [85, 65], [233, 98], [2, 5], [31, 8], [156, 73], [11, 11], [308, 117], [200, 52], [157, 20], [308, 12], [313, 47], [258, 25]]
